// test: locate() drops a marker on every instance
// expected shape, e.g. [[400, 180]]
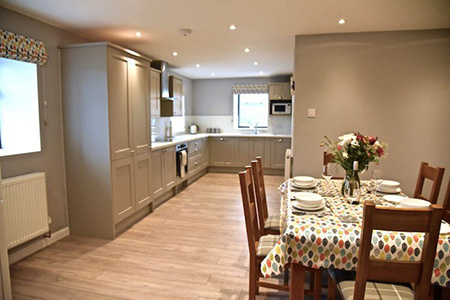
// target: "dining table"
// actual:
[[330, 238]]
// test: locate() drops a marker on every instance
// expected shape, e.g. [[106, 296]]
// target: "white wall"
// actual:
[[395, 85]]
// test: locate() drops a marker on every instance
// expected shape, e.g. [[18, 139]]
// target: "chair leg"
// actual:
[[286, 276], [317, 284], [331, 288], [253, 278]]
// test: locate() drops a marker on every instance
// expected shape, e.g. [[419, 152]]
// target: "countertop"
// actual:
[[192, 137]]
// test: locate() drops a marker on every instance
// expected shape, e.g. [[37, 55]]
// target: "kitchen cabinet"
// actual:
[[243, 151], [155, 92], [278, 152], [106, 99], [280, 91], [163, 170], [221, 151], [198, 155], [176, 92]]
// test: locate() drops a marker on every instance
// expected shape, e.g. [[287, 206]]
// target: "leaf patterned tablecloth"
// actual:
[[324, 241]]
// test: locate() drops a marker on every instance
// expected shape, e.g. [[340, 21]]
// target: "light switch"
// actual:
[[311, 112]]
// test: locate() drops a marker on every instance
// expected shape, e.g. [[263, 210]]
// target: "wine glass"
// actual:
[[377, 180], [327, 174]]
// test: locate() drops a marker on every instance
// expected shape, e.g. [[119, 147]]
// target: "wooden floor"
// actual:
[[191, 247]]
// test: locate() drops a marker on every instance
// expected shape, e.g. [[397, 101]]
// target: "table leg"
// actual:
[[297, 284]]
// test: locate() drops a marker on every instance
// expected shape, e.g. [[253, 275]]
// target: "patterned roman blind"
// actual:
[[250, 88], [19, 47]]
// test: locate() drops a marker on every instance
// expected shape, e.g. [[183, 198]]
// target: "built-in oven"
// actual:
[[280, 107], [182, 159]]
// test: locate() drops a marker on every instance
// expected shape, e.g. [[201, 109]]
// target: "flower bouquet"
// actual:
[[355, 147]]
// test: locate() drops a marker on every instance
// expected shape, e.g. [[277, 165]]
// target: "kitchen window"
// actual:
[[251, 111], [19, 108]]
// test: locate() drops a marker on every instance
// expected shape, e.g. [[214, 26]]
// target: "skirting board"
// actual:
[[37, 245]]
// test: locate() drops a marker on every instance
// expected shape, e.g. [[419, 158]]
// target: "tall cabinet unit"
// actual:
[[106, 107]]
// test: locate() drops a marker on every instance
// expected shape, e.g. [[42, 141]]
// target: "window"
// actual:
[[251, 111], [19, 108]]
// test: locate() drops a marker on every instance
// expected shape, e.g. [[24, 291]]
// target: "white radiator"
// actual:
[[288, 164], [25, 208]]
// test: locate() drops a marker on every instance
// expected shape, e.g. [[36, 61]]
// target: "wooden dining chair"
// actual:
[[268, 224], [373, 275], [329, 159], [447, 204], [433, 174], [259, 245]]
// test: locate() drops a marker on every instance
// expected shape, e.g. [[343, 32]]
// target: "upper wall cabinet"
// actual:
[[175, 87], [280, 91], [155, 92]]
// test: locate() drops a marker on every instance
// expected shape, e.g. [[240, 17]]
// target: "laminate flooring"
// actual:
[[193, 246]]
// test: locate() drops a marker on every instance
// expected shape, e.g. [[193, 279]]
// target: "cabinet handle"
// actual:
[[196, 163], [221, 139], [196, 150], [280, 97], [132, 151], [195, 144], [280, 140]]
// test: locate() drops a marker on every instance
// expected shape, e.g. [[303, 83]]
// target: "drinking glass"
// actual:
[[377, 180], [327, 174]]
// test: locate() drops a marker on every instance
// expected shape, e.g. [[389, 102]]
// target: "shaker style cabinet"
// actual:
[[176, 92], [280, 91], [163, 170], [155, 92], [222, 152], [106, 104], [278, 151]]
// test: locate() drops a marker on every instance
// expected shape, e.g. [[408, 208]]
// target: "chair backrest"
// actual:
[[327, 158], [447, 204], [250, 214], [260, 191], [411, 220], [433, 174]]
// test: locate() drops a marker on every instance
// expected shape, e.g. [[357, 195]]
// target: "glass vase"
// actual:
[[351, 187]]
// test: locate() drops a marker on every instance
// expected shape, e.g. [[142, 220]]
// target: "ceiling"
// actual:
[[267, 27]]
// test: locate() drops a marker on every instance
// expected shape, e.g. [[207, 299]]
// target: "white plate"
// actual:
[[414, 203], [445, 228], [389, 184], [396, 191], [393, 198], [303, 180], [299, 207], [310, 186]]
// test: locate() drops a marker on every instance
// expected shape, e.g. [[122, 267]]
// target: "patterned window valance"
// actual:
[[19, 47], [250, 88]]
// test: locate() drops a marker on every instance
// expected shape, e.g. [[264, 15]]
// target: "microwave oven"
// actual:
[[279, 108]]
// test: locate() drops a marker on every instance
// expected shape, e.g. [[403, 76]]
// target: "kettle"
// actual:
[[193, 129]]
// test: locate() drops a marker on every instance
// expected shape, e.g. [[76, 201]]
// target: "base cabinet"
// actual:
[[222, 152], [278, 151], [123, 191], [163, 166]]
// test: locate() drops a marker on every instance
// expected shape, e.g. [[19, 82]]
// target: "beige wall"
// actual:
[[50, 159], [392, 84]]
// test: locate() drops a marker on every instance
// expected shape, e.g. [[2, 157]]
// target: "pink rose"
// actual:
[[339, 147], [380, 151], [359, 137], [372, 139]]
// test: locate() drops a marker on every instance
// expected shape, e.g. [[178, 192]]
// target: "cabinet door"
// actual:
[[169, 163], [119, 105], [155, 93], [140, 102], [278, 151], [177, 108], [123, 188], [280, 91], [157, 173], [205, 153], [242, 152], [221, 152], [257, 149], [142, 179], [267, 153]]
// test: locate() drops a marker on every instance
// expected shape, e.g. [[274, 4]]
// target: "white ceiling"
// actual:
[[267, 27]]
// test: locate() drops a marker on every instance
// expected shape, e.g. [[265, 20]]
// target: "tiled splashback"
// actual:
[[277, 124]]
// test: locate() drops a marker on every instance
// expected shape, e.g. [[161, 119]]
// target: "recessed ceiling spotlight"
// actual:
[[261, 72], [247, 50], [175, 54], [212, 74], [342, 21], [197, 65], [255, 63], [232, 27], [138, 34]]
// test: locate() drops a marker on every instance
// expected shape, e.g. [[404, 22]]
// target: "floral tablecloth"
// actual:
[[324, 241]]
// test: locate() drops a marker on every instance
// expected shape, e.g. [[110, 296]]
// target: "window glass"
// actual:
[[253, 110], [19, 108]]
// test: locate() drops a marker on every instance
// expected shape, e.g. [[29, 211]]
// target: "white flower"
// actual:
[[345, 154], [347, 137], [377, 144], [355, 143]]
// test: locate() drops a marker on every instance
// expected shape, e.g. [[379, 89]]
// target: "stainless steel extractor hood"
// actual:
[[164, 67]]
